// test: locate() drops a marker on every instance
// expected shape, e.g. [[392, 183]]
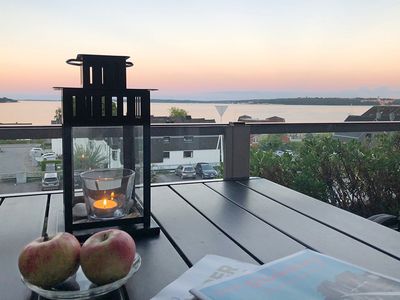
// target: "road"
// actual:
[[15, 158]]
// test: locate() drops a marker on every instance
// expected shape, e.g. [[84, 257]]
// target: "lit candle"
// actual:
[[105, 208]]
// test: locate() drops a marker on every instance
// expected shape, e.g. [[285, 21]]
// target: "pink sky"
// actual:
[[208, 50]]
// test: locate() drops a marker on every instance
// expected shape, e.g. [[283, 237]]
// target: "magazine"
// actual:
[[206, 270], [304, 275]]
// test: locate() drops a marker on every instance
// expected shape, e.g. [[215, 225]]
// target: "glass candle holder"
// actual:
[[108, 192]]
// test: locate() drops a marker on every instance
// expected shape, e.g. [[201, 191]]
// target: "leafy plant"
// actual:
[[87, 157], [57, 163], [362, 177]]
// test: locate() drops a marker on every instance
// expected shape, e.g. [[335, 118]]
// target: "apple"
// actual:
[[48, 261], [107, 256]]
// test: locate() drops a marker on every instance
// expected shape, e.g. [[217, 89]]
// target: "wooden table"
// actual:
[[254, 221]]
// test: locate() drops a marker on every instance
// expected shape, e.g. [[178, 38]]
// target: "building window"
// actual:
[[166, 139], [187, 154], [166, 154], [188, 139]]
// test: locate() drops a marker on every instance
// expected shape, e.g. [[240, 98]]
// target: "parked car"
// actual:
[[206, 170], [50, 181], [50, 167], [48, 156], [185, 172], [36, 152]]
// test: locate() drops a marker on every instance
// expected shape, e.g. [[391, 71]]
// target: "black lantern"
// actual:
[[106, 149]]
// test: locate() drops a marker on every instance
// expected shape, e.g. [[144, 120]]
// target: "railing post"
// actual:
[[236, 151]]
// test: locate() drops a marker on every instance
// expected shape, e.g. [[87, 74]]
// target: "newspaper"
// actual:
[[303, 275], [206, 270]]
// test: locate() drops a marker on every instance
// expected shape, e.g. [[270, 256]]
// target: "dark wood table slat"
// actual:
[[191, 232], [55, 219], [22, 221], [160, 261], [365, 230], [251, 221], [318, 236], [259, 238], [161, 265]]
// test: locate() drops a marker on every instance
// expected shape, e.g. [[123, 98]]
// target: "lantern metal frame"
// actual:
[[104, 79]]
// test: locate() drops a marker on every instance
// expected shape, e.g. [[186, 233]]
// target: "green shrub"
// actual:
[[361, 177]]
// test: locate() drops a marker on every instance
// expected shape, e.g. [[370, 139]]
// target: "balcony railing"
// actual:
[[236, 135]]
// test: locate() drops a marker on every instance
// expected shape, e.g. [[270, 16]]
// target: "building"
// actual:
[[170, 151], [374, 114], [255, 138], [186, 119], [166, 152], [249, 119]]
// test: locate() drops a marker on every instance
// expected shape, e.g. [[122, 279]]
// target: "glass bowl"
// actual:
[[79, 287]]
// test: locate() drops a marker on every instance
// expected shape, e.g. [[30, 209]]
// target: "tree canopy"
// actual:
[[58, 116], [176, 113]]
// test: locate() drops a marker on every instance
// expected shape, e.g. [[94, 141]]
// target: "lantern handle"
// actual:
[[78, 62], [74, 62]]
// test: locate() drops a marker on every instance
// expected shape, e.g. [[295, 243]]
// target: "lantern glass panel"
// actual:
[[107, 173]]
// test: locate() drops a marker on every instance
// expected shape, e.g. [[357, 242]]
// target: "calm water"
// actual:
[[42, 112]]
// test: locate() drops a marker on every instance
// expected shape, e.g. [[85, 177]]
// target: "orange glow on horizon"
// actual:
[[191, 69]]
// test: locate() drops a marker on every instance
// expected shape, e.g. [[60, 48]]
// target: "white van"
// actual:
[[50, 181]]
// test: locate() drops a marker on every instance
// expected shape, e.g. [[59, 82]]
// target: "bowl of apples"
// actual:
[[58, 267]]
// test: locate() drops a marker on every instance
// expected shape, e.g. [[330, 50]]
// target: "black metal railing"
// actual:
[[55, 131]]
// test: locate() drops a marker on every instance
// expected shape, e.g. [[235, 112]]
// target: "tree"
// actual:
[[271, 142], [177, 113], [58, 116]]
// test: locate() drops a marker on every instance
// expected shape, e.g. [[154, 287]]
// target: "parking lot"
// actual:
[[15, 158], [12, 187], [170, 177]]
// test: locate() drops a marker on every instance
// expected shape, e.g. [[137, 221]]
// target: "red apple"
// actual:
[[48, 262], [107, 256]]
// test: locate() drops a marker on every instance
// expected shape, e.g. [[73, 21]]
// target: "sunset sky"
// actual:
[[208, 49]]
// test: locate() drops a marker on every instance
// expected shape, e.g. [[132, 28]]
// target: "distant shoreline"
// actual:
[[7, 100], [294, 101], [44, 100], [281, 101]]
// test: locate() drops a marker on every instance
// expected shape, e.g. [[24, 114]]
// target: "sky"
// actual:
[[208, 49]]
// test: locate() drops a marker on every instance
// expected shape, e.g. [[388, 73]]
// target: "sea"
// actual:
[[42, 112]]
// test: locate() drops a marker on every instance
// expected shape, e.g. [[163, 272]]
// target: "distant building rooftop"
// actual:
[[374, 114], [187, 119], [378, 113], [246, 118]]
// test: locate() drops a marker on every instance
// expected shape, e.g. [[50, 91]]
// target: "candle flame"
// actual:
[[104, 202]]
